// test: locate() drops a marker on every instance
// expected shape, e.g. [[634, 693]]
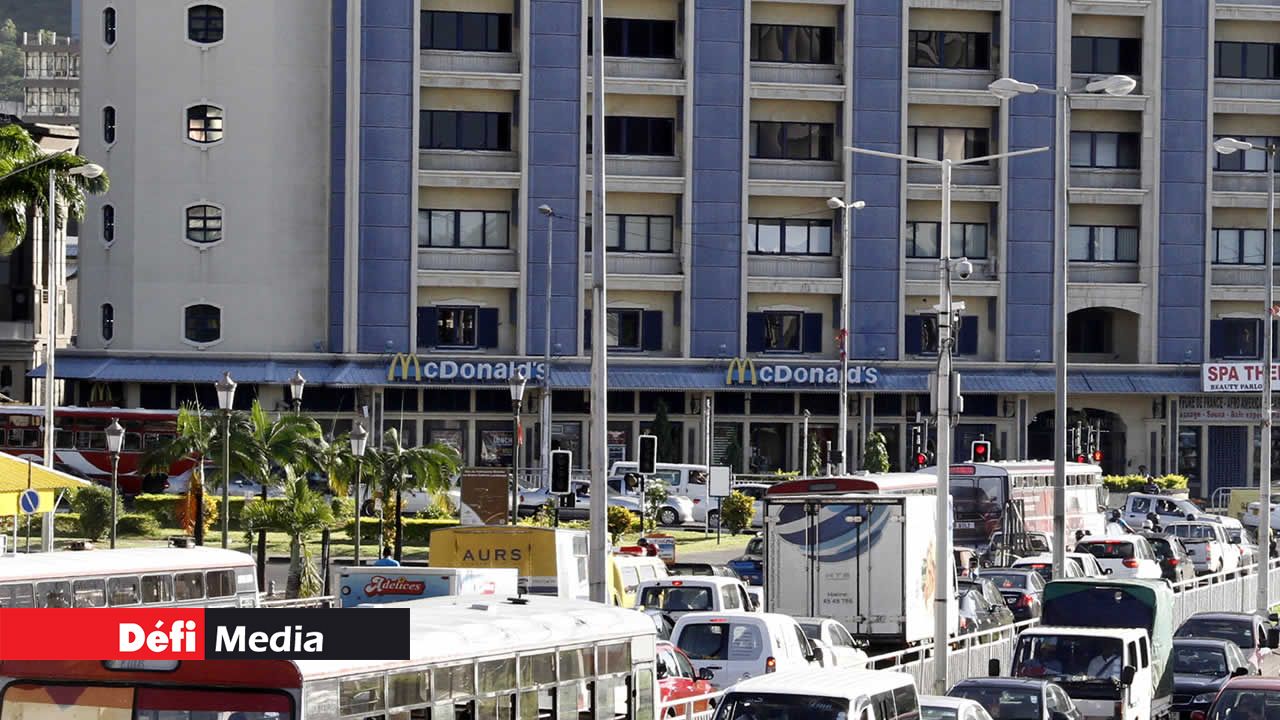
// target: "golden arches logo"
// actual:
[[746, 367], [100, 393], [404, 360]]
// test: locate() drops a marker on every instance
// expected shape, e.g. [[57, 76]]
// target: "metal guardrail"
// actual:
[[323, 601], [686, 708]]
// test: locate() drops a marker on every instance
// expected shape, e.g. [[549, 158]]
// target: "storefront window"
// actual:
[[568, 436], [448, 432], [495, 443], [726, 445], [769, 445], [670, 442], [619, 441], [1189, 457]]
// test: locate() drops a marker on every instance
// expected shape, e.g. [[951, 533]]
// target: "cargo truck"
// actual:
[[378, 584]]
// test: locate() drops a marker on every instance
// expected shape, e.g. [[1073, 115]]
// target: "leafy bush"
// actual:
[[620, 522], [655, 496], [876, 458], [441, 508], [1124, 483], [1172, 482], [93, 505], [137, 524], [417, 531], [736, 511]]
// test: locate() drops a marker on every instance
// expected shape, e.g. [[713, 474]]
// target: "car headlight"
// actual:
[[1204, 698]]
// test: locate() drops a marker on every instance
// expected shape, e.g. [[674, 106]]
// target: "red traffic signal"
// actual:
[[980, 451], [1097, 456], [921, 460], [1081, 458]]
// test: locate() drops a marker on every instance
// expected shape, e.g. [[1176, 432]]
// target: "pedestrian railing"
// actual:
[[324, 601], [699, 707]]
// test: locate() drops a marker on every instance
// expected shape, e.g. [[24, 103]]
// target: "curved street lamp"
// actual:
[[359, 442], [115, 439]]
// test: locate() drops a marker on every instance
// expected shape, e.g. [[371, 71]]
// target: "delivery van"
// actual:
[[628, 571], [375, 584], [549, 561]]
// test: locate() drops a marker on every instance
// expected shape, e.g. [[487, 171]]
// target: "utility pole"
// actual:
[[942, 539], [598, 568]]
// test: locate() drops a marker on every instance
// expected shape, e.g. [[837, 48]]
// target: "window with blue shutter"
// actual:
[[913, 331], [487, 328], [755, 332], [811, 335], [651, 330], [1235, 339], [968, 343], [427, 327], [586, 329]]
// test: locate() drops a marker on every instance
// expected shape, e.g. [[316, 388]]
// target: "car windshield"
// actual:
[[1247, 704], [1239, 632], [768, 706], [1068, 657], [936, 712], [755, 546], [1003, 702], [812, 630], [1006, 581], [1196, 532], [1199, 661], [721, 641], [679, 599], [1162, 547], [1108, 549]]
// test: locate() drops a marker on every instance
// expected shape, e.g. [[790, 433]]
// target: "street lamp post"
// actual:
[[842, 444], [226, 388], [947, 310], [1007, 89], [518, 381], [115, 438], [1227, 146], [544, 447], [804, 446], [296, 384], [359, 441]]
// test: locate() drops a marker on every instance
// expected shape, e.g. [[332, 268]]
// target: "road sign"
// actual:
[[29, 501]]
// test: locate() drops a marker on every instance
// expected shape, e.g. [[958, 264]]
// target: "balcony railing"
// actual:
[[1255, 182], [796, 73], [1083, 272], [1247, 275], [804, 170], [470, 62], [793, 266], [643, 166], [938, 79], [643, 263], [1243, 89], [642, 68], [962, 175], [473, 160], [1105, 179], [430, 258]]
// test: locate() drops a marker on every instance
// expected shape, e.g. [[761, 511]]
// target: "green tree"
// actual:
[[655, 496], [620, 522], [301, 514], [398, 470], [877, 454], [667, 434], [736, 511], [11, 63], [94, 507], [815, 455], [27, 187], [193, 439]]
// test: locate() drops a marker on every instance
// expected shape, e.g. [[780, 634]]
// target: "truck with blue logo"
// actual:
[[865, 560]]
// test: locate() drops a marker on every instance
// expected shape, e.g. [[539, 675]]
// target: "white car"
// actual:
[[1250, 519], [942, 707], [1207, 542], [734, 646], [844, 650], [1088, 564], [1043, 564], [675, 511], [1124, 556]]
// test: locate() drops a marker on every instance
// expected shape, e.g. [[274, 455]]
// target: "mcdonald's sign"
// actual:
[[745, 367], [404, 360]]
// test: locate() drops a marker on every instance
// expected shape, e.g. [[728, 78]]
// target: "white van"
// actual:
[[1124, 556], [828, 694], [733, 646], [681, 479], [680, 594]]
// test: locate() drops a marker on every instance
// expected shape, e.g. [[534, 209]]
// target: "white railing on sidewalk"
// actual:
[[698, 707], [324, 601]]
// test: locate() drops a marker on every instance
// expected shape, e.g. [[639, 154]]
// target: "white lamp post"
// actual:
[[115, 438], [359, 441], [518, 382], [296, 385], [842, 444], [226, 388]]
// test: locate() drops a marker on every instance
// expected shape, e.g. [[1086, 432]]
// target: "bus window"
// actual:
[[577, 664], [615, 658], [498, 707], [497, 675], [91, 593], [53, 594], [360, 696], [29, 700], [17, 595], [574, 701], [644, 694], [123, 591], [456, 681], [220, 583], [537, 670], [172, 704], [406, 689], [188, 586], [157, 588], [132, 442]]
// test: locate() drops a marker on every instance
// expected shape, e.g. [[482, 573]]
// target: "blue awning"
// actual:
[[198, 370]]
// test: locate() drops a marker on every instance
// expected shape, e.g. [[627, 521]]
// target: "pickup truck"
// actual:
[[1207, 542], [1140, 507]]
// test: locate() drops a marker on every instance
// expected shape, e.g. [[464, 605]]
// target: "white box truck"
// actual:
[[379, 584], [867, 561]]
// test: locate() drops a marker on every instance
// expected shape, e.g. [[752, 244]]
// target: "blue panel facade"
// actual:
[[1184, 112], [877, 120], [1030, 237], [388, 190], [554, 171], [75, 18], [337, 174], [716, 303]]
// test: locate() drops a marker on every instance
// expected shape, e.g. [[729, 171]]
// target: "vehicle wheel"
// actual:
[[668, 517]]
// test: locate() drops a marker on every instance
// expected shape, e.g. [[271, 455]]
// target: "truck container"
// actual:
[[376, 584]]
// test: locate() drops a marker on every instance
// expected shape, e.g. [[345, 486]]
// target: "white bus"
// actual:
[[472, 658], [158, 577]]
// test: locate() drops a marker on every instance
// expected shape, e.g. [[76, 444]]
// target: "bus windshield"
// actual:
[[977, 495], [25, 701]]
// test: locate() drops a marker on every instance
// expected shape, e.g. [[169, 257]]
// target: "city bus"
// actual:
[[477, 657], [983, 493], [133, 577]]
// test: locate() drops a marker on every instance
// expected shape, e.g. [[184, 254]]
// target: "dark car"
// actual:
[[1018, 698], [982, 607], [1022, 590], [1245, 698], [750, 566], [1200, 668], [1176, 564], [1249, 631]]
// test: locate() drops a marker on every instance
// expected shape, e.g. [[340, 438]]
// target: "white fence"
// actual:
[[969, 654], [700, 707]]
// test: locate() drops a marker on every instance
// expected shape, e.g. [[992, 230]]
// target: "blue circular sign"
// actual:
[[29, 501]]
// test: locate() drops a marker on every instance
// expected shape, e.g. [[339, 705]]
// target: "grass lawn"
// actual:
[[696, 540]]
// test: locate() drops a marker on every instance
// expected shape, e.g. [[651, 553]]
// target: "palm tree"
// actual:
[[301, 514], [399, 469], [26, 190], [194, 436]]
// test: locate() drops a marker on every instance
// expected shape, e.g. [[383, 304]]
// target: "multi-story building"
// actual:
[[355, 192], [51, 78]]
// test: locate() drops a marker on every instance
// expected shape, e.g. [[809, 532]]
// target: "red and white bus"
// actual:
[[981, 493], [80, 443]]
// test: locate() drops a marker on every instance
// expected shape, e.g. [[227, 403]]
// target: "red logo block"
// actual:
[[102, 634]]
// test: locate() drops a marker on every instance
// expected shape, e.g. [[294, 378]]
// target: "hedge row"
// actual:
[[1135, 483], [417, 531], [67, 525], [163, 507]]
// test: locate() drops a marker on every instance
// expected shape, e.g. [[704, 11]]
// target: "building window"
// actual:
[[108, 224], [1236, 246], [204, 24], [1254, 160], [456, 327], [950, 50], [782, 331], [792, 140], [788, 236], [108, 125], [1106, 56], [622, 329], [463, 130], [1089, 332], [939, 143], [202, 323], [636, 37], [108, 322], [487, 229], [628, 135], [1119, 150], [204, 124], [635, 233], [1250, 60], [469, 31], [793, 44], [204, 224], [1235, 339], [109, 26], [1103, 243], [967, 240]]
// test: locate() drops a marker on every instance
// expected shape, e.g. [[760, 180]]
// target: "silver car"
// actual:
[[677, 510]]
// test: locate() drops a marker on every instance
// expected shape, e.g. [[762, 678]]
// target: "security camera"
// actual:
[[964, 269]]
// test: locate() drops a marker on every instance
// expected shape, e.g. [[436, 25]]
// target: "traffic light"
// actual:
[[918, 446], [922, 460], [648, 459], [1097, 456], [980, 451], [561, 462], [1081, 459]]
